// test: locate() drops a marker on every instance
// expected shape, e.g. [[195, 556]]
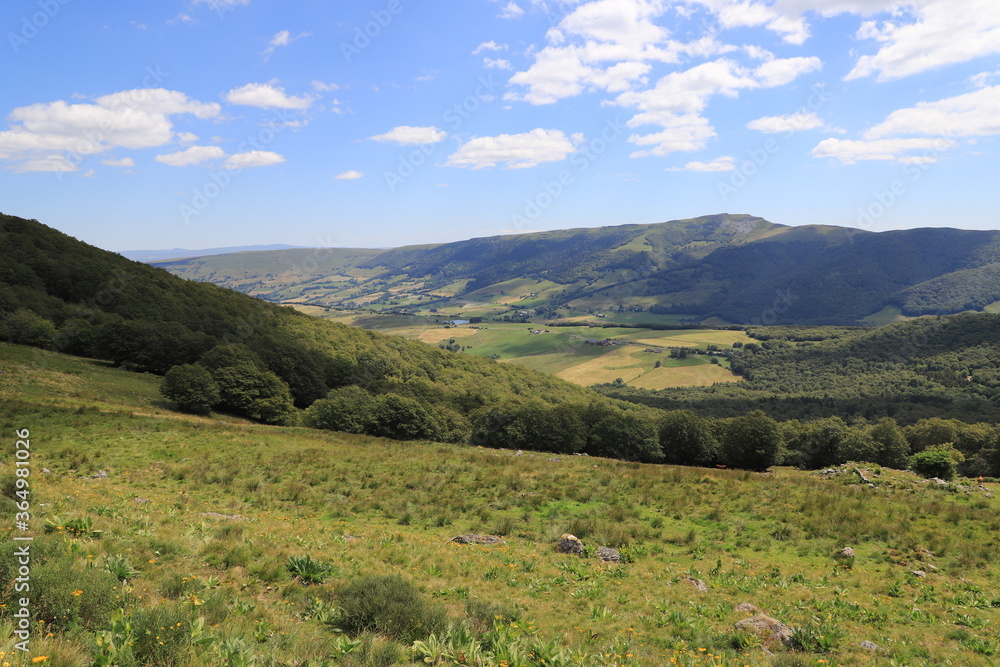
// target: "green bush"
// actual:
[[307, 570], [390, 606], [937, 461]]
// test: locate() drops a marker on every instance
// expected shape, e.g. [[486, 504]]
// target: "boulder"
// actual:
[[766, 627], [609, 555], [748, 608], [570, 544], [698, 584], [870, 646]]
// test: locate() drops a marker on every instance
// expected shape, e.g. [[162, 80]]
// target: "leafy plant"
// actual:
[[307, 570]]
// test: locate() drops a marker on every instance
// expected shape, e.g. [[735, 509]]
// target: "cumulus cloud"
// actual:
[[850, 151], [50, 163], [407, 135], [349, 175], [266, 96], [515, 151], [489, 46], [253, 159], [140, 118], [796, 122], [724, 163], [511, 11], [496, 63], [191, 156]]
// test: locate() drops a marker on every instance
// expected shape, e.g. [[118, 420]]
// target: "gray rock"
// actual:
[[609, 555], [846, 552], [570, 544], [230, 517], [141, 501], [747, 608], [698, 584], [477, 539], [870, 646], [918, 573], [45, 471], [766, 627]]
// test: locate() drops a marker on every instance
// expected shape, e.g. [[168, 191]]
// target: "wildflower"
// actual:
[[41, 658], [78, 592]]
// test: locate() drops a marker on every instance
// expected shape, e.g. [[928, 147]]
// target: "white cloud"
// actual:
[[850, 151], [489, 46], [944, 32], [511, 11], [222, 5], [515, 151], [724, 163], [349, 175], [282, 38], [796, 122], [779, 72], [49, 163], [253, 159], [970, 115], [498, 63], [129, 119], [124, 162], [406, 135], [191, 156], [321, 87], [266, 96]]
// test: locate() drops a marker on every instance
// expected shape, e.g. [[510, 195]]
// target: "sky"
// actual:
[[328, 123]]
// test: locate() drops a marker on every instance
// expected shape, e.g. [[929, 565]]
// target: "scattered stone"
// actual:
[[609, 555], [766, 627], [870, 646], [748, 608], [141, 501], [477, 539], [231, 517], [918, 573], [939, 481], [932, 567], [846, 552], [45, 471], [100, 474], [554, 460], [570, 544], [519, 453], [351, 538], [698, 584], [863, 476]]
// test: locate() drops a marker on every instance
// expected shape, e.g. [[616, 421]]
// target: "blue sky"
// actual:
[[202, 123]]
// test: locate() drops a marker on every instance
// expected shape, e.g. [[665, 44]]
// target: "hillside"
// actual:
[[736, 268], [167, 539], [928, 367]]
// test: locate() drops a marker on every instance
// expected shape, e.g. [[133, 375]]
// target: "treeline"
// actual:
[[930, 367]]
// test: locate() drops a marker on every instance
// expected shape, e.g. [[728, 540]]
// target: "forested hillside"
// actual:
[[929, 367]]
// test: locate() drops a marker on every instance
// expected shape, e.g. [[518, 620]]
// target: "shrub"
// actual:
[[191, 388], [347, 409], [402, 418], [936, 461], [388, 605], [752, 441]]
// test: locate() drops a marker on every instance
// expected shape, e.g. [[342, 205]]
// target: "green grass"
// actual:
[[209, 512]]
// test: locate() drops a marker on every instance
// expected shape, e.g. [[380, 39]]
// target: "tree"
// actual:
[[246, 387], [402, 418], [349, 409], [624, 435], [819, 443], [752, 441], [191, 388], [891, 448], [26, 327], [687, 439]]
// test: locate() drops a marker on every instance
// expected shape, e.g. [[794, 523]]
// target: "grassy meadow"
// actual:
[[214, 541]]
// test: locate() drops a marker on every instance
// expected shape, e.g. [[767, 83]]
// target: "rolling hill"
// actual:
[[734, 268]]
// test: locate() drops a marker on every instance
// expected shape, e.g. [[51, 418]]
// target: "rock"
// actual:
[[748, 608], [918, 573], [766, 628], [609, 555], [863, 476], [351, 538], [141, 501], [939, 481], [846, 552], [570, 544], [698, 584], [477, 539], [45, 471], [230, 517], [100, 474], [870, 646], [554, 460]]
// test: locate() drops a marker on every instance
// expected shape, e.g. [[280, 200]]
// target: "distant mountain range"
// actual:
[[724, 268], [177, 253]]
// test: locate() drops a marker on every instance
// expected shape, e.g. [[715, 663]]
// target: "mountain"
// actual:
[[735, 268], [175, 253]]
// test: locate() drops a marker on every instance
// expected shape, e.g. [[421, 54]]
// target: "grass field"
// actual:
[[192, 527]]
